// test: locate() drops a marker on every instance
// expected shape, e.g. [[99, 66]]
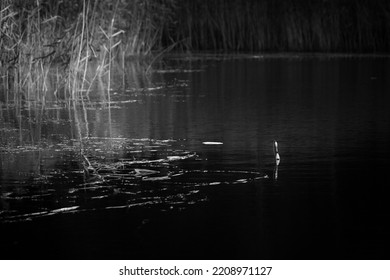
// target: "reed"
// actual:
[[276, 25], [40, 38]]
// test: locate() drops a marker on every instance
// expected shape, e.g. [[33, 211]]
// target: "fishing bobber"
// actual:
[[276, 153]]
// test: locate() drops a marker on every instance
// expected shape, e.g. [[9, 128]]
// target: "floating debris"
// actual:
[[212, 143], [65, 209]]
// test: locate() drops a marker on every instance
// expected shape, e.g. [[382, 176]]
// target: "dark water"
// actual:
[[133, 179]]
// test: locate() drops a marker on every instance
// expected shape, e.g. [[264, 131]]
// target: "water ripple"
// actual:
[[137, 173]]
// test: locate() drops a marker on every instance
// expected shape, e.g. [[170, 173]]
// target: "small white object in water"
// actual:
[[212, 143], [65, 209], [276, 151], [171, 158]]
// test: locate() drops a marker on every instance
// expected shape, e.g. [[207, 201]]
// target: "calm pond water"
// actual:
[[133, 177]]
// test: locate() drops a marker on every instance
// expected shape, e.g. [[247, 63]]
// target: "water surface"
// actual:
[[133, 178]]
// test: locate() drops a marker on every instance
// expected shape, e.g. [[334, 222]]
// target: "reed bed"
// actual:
[[42, 38], [278, 25], [45, 38]]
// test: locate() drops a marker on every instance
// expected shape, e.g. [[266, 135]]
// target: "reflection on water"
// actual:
[[194, 138]]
